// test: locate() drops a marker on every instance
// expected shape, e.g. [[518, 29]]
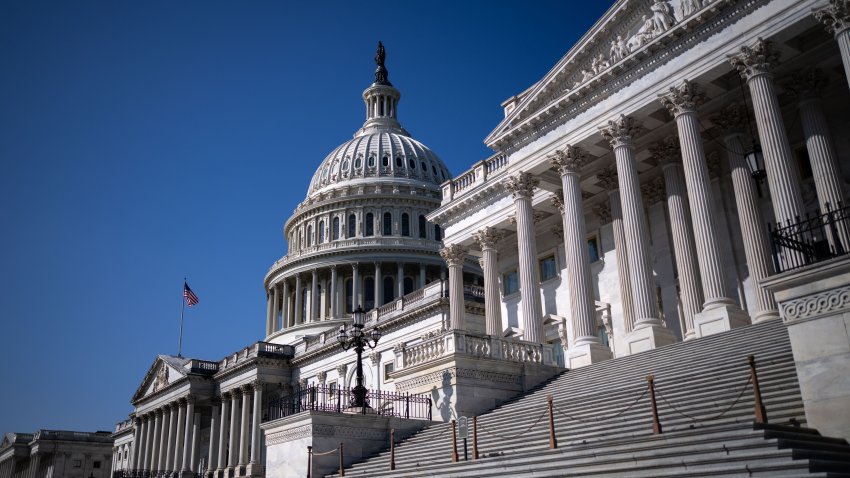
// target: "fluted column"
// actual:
[[379, 286], [223, 431], [162, 452], [171, 438], [145, 457], [178, 442], [400, 280], [270, 298], [187, 435], [286, 320], [334, 298], [620, 133], [754, 64], [487, 239], [137, 438], [233, 447], [246, 425], [608, 180], [255, 429], [682, 102], [156, 439], [422, 275], [455, 255], [314, 296], [195, 444], [299, 297], [522, 187], [753, 232], [667, 153], [215, 424], [836, 18], [355, 286]]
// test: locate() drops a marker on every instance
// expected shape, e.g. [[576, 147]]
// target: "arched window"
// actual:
[[370, 224], [389, 289], [411, 163], [405, 225], [321, 232], [388, 224], [352, 225], [309, 235], [438, 234], [408, 285], [335, 226], [369, 293], [371, 161], [349, 299], [357, 163], [423, 227]]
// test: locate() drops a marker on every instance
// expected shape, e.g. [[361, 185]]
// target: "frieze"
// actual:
[[318, 429], [829, 302], [448, 374]]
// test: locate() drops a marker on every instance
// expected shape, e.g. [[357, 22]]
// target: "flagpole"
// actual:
[[182, 310]]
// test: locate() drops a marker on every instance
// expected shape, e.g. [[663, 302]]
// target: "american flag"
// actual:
[[191, 298]]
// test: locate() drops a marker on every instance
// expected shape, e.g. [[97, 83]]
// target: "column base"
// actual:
[[765, 316], [586, 354], [254, 469], [647, 338], [719, 319]]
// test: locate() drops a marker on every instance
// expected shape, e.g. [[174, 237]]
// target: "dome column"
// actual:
[[422, 278], [299, 297], [334, 296], [314, 296], [400, 279], [455, 255], [355, 286], [379, 286], [286, 319]]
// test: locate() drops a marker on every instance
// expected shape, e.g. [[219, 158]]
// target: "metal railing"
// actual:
[[339, 400], [811, 240]]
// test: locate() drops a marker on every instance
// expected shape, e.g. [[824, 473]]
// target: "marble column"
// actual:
[[137, 438], [299, 297], [334, 298], [422, 278], [223, 431], [171, 438], [233, 447], [608, 179], [178, 442], [355, 287], [187, 435], [487, 239], [667, 153], [162, 452], [521, 187], [142, 456], [215, 424], [836, 18], [586, 348], [271, 297], [246, 425], [733, 120], [286, 317], [400, 278], [755, 64], [649, 331], [379, 286], [195, 443], [455, 255], [156, 439], [255, 429], [807, 88], [720, 312]]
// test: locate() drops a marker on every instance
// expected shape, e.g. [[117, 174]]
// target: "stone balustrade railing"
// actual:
[[475, 176], [258, 349], [103, 437], [476, 345], [121, 426]]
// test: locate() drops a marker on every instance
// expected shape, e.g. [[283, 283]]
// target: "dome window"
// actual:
[[398, 162], [345, 165], [386, 161], [388, 224], [335, 227], [411, 163], [422, 164], [434, 170], [371, 161], [309, 235], [405, 225], [352, 225], [321, 232], [423, 227], [370, 225], [357, 163]]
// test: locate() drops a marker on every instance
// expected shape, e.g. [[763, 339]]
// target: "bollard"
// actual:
[[392, 448], [309, 460], [656, 425], [454, 441], [761, 413], [474, 438], [341, 468], [553, 442]]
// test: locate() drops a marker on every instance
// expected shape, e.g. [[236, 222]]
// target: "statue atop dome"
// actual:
[[381, 72]]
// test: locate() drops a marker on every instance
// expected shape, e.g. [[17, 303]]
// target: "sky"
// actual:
[[145, 142]]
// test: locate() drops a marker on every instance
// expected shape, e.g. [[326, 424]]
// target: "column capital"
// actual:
[[603, 212], [521, 185], [667, 151], [302, 383], [755, 60], [835, 16], [621, 131], [189, 399], [481, 262], [375, 358], [684, 98], [453, 254], [216, 400], [355, 266], [653, 191], [247, 389], [341, 370], [806, 84], [732, 119], [569, 160], [322, 377], [607, 177], [558, 200], [256, 383], [225, 395], [488, 237]]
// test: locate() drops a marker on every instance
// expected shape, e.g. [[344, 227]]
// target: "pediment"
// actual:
[[627, 33], [164, 371]]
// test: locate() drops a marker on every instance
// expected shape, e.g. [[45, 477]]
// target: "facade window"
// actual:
[[352, 225], [405, 225], [96, 464], [357, 163], [438, 234], [369, 293], [349, 295], [389, 367], [423, 227], [411, 163], [593, 249], [511, 282], [371, 161], [370, 224], [321, 232], [335, 226], [548, 268], [332, 387], [388, 224]]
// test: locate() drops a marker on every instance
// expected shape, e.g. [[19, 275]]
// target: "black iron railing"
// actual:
[[340, 400], [811, 240]]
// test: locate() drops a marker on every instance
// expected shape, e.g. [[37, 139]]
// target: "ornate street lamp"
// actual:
[[357, 339]]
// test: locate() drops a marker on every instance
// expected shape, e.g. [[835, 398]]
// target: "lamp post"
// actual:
[[357, 339]]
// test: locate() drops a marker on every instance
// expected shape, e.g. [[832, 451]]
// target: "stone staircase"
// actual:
[[603, 421]]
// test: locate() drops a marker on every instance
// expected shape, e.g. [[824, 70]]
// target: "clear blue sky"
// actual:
[[144, 141]]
